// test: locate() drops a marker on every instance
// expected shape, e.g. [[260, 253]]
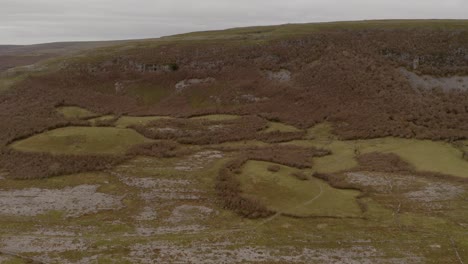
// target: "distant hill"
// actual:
[[20, 55]]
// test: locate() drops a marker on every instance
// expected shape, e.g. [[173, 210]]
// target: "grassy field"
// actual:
[[82, 140], [6, 82], [282, 192], [424, 155], [75, 112], [126, 121], [280, 127]]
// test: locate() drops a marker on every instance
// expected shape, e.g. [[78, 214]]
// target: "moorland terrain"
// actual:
[[304, 143]]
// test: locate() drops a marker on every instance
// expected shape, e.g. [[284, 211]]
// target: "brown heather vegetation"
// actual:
[[228, 187], [383, 163], [160, 149], [347, 77], [21, 165], [204, 132]]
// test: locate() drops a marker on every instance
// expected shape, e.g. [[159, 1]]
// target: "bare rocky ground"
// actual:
[[76, 201], [430, 82], [412, 187], [182, 85], [220, 253], [164, 211]]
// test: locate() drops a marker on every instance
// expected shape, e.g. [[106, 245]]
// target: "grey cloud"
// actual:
[[35, 21]]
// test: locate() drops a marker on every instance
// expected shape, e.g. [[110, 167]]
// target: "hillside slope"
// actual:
[[21, 55], [304, 143], [351, 76]]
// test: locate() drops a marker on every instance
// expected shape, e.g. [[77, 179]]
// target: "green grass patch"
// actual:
[[342, 156], [6, 82], [103, 118], [75, 112], [14, 260], [82, 140], [282, 192], [126, 121], [424, 155]]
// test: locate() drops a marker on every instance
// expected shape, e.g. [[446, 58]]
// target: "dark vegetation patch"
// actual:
[[383, 163], [279, 137], [204, 132], [228, 186], [160, 149], [21, 165], [274, 168]]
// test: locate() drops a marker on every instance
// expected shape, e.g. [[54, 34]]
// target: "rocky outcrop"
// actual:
[[182, 85]]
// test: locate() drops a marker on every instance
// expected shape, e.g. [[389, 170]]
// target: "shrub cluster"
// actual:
[[22, 165]]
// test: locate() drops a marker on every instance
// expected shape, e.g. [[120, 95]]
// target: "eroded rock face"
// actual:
[[76, 201], [182, 85], [430, 82]]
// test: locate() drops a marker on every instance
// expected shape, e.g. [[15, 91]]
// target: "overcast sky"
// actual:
[[39, 21]]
